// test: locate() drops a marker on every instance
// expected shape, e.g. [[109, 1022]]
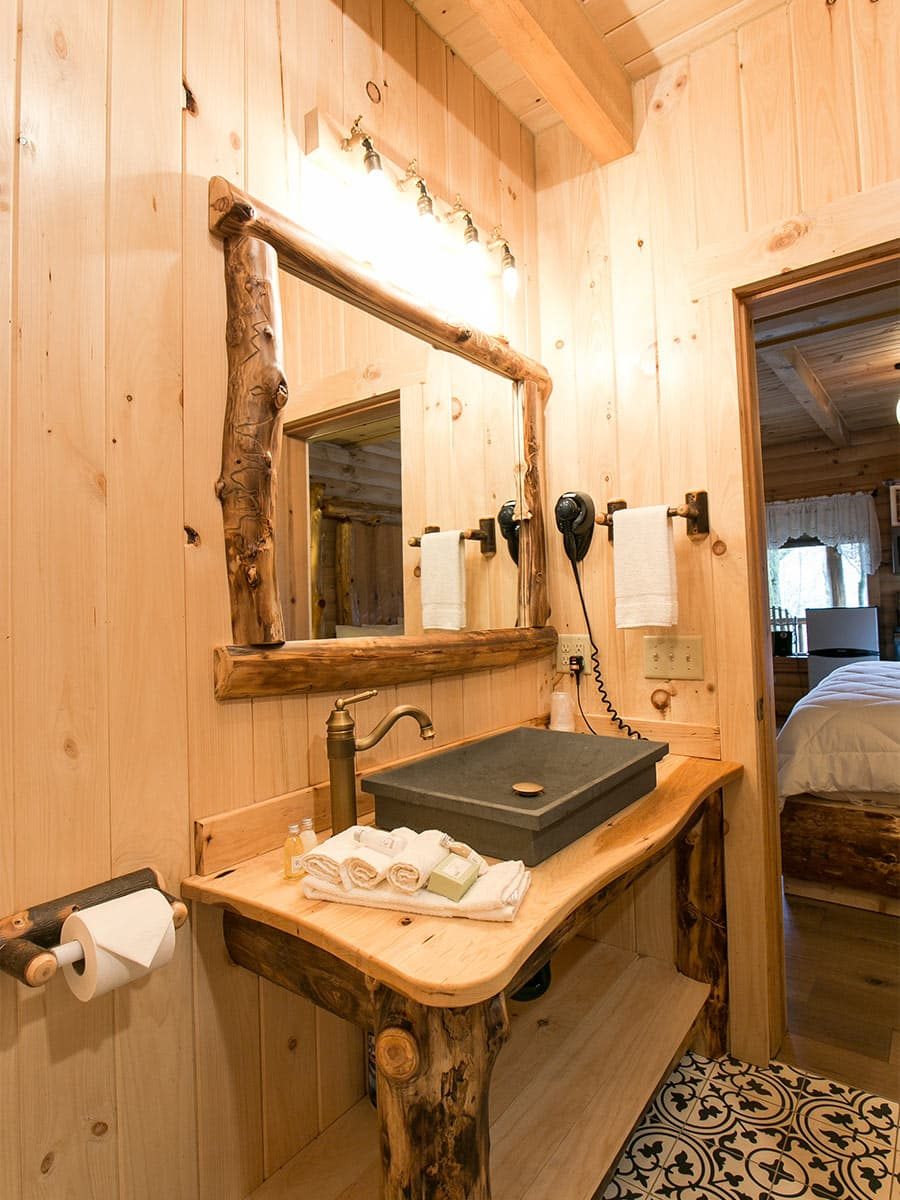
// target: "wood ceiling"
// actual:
[[830, 366], [639, 36]]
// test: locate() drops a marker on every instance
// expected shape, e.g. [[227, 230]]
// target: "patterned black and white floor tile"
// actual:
[[726, 1130]]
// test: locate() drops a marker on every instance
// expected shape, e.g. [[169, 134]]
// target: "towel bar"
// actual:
[[26, 937], [486, 534], [695, 511]]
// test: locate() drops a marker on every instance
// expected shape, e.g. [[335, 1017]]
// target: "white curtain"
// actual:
[[847, 521]]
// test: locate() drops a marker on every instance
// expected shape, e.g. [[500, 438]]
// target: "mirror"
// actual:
[[438, 401], [384, 436]]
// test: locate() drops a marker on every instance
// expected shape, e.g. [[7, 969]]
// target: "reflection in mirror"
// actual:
[[383, 437], [355, 528]]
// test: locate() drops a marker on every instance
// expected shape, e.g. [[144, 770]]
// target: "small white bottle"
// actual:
[[308, 837]]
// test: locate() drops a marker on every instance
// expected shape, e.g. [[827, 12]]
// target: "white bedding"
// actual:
[[845, 735]]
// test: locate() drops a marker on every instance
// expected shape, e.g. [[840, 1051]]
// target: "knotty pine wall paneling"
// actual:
[[787, 110], [202, 1080], [144, 529], [9, 1051], [59, 569]]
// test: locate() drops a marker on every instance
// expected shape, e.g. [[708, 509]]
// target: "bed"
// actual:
[[839, 781]]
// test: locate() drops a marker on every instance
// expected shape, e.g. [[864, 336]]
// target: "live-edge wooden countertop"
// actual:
[[446, 962]]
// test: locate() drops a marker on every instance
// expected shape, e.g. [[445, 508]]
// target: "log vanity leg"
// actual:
[[434, 1064], [434, 1076], [702, 945]]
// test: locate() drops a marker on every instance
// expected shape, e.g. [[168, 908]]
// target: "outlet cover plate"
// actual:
[[569, 644], [673, 657]]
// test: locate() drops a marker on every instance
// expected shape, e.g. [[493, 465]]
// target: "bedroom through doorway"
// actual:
[[824, 376]]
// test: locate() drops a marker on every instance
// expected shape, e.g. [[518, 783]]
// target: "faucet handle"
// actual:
[[340, 705]]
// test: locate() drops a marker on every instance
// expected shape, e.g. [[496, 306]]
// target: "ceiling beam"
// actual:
[[567, 60], [805, 386], [834, 318]]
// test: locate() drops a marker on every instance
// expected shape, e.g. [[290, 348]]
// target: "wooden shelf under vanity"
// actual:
[[569, 1087]]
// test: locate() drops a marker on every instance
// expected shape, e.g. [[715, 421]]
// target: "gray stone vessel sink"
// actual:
[[468, 792]]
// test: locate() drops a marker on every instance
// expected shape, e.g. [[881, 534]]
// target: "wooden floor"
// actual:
[[843, 989]]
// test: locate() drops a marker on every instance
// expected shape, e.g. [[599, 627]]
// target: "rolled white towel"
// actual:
[[409, 871], [325, 860], [368, 864], [496, 896], [364, 868]]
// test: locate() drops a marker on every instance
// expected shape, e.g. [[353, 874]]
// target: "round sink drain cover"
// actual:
[[528, 789]]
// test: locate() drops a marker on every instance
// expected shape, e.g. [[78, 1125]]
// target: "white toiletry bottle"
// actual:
[[308, 838], [293, 853]]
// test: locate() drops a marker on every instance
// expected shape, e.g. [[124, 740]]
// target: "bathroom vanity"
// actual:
[[434, 990]]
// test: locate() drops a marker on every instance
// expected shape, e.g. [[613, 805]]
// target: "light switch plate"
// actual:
[[673, 657], [569, 644]]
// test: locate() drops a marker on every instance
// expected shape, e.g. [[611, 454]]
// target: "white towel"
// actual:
[[409, 871], [366, 866], [496, 896], [443, 580], [646, 587], [326, 859]]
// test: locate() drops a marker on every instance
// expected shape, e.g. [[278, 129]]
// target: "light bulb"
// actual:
[[372, 159], [376, 179], [424, 204], [509, 273], [897, 411]]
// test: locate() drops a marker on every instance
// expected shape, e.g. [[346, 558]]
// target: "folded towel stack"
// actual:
[[495, 896], [390, 870]]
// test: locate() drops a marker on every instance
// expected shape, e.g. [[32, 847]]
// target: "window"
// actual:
[[811, 575], [821, 551]]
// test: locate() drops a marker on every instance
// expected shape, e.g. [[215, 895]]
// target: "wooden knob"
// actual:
[[40, 970], [397, 1055], [179, 913]]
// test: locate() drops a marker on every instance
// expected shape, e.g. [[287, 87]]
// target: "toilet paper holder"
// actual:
[[27, 937]]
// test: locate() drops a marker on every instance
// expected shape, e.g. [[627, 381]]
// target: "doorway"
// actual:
[[822, 381]]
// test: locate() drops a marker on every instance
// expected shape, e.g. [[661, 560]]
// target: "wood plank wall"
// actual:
[[784, 114], [202, 1080]]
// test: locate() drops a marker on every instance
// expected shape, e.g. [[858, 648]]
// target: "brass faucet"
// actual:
[[342, 744]]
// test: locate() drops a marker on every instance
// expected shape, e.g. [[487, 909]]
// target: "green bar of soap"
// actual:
[[453, 877]]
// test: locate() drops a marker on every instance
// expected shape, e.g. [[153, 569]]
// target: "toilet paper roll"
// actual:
[[123, 940]]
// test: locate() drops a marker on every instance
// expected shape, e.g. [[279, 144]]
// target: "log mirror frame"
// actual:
[[258, 242]]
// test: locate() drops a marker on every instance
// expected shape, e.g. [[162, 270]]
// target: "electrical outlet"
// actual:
[[673, 657], [569, 644]]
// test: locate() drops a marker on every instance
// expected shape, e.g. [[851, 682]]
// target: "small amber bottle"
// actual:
[[293, 853]]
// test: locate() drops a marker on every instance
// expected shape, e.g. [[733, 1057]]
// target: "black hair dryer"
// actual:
[[574, 513], [509, 527]]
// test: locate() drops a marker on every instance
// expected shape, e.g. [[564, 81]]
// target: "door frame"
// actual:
[[724, 280]]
